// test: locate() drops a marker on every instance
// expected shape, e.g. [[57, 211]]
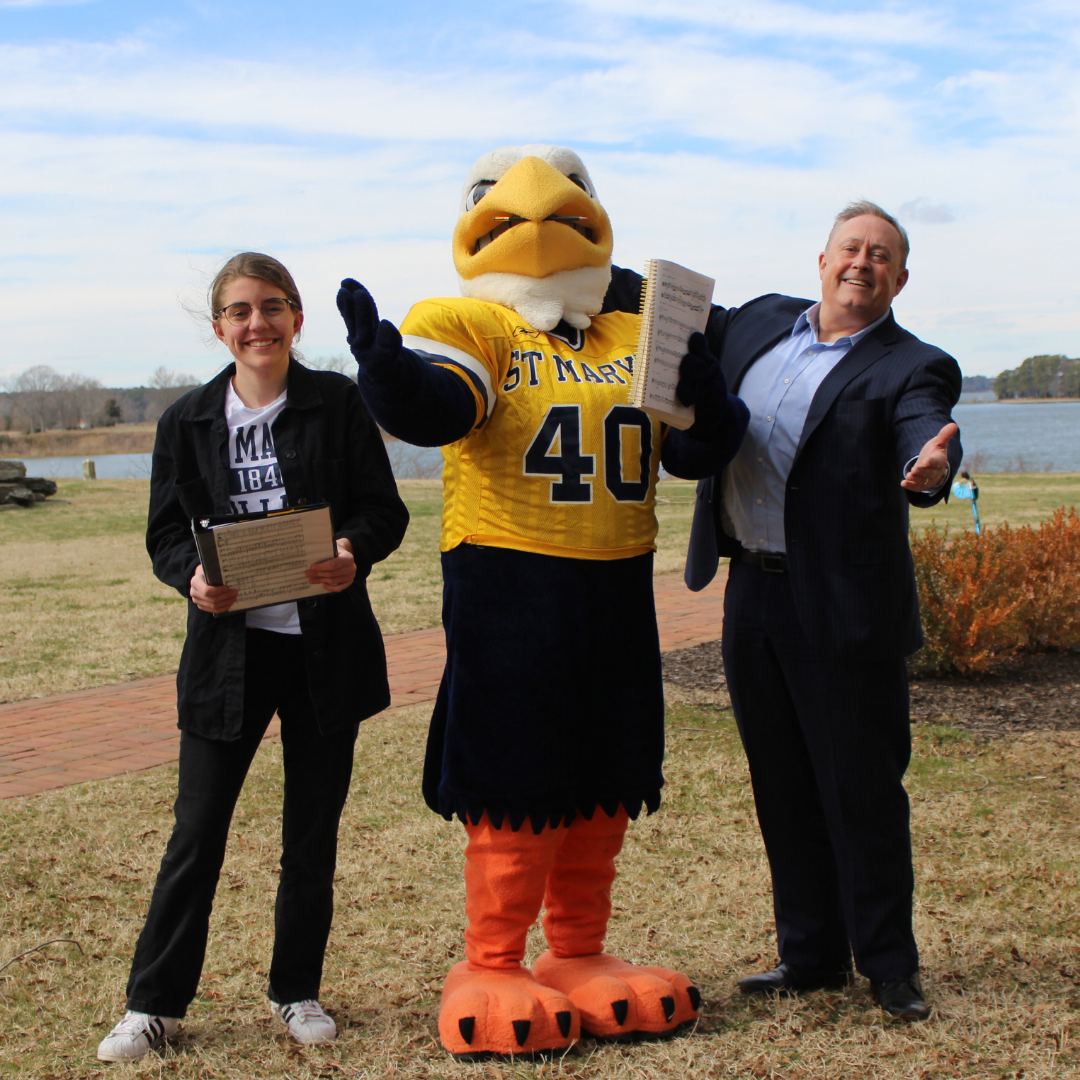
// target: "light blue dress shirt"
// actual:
[[778, 389]]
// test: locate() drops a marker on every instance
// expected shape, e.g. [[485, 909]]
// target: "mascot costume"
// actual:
[[547, 735]]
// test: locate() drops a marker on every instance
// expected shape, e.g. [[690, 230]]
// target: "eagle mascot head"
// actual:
[[533, 237]]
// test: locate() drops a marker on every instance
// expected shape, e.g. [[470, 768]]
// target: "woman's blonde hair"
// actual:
[[253, 264]]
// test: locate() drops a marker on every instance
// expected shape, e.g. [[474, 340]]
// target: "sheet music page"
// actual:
[[681, 305], [265, 560]]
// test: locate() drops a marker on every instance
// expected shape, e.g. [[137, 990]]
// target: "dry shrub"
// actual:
[[984, 599]]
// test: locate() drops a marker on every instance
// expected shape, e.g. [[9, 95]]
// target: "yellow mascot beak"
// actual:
[[514, 228]]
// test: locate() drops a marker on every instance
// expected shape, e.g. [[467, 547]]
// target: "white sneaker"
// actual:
[[306, 1020], [135, 1035]]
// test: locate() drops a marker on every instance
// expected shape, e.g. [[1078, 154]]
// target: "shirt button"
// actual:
[[760, 459], [760, 501], [762, 540], [290, 454], [786, 381], [768, 419]]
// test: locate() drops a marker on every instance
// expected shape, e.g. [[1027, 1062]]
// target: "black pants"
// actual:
[[827, 741], [169, 956]]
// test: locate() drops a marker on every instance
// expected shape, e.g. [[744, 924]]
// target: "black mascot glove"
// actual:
[[376, 345], [702, 384], [413, 399]]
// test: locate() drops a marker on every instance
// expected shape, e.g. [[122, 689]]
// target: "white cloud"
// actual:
[[43, 3], [772, 19], [752, 101], [131, 171], [923, 210]]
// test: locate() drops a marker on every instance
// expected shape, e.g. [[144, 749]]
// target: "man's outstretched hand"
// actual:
[[375, 344], [932, 467]]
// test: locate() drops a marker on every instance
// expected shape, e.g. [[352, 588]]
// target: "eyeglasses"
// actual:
[[271, 309]]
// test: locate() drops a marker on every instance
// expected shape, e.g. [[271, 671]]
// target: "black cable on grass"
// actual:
[[44, 945]]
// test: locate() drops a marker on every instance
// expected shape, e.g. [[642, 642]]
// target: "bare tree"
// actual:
[[134, 405], [79, 399], [164, 379], [34, 399], [164, 388], [342, 363]]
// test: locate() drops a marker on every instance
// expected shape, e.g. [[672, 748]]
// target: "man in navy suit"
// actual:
[[850, 424]]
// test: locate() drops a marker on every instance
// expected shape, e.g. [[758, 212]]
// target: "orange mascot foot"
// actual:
[[503, 1013], [617, 1000], [491, 1005]]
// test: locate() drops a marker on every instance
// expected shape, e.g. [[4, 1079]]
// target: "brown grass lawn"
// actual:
[[997, 911], [995, 828], [82, 607]]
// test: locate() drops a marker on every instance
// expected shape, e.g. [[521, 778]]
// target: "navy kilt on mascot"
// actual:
[[547, 736]]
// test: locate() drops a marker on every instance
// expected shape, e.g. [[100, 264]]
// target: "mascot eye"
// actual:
[[478, 192], [575, 179]]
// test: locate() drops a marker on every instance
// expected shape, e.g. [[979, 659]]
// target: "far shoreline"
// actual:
[[139, 438], [1027, 401], [121, 439]]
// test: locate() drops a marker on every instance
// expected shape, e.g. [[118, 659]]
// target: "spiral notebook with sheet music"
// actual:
[[675, 302]]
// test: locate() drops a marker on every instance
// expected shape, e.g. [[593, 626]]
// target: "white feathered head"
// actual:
[[533, 237]]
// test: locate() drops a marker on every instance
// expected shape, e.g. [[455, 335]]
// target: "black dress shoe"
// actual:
[[902, 998], [793, 979]]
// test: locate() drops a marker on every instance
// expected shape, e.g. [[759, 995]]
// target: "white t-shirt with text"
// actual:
[[255, 485]]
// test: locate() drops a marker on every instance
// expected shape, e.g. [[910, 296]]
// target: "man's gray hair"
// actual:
[[865, 206]]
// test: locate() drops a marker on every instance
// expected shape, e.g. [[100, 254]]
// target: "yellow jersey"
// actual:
[[557, 462]]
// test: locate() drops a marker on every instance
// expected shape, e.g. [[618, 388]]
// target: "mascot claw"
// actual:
[[619, 1001], [503, 1014]]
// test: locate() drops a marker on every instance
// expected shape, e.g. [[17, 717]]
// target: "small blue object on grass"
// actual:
[[966, 488]]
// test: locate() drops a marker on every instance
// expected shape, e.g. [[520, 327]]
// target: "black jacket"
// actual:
[[329, 450], [845, 513]]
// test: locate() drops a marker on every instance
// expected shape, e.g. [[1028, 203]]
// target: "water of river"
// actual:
[[409, 462], [997, 438], [1042, 437], [108, 466]]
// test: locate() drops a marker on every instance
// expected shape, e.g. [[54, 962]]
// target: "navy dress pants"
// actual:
[[169, 956], [827, 740]]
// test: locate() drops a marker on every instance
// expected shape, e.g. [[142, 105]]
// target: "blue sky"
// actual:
[[140, 150]]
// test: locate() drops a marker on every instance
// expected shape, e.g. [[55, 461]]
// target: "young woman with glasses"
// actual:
[[264, 434]]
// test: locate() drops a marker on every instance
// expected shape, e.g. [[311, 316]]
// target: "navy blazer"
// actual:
[[845, 513]]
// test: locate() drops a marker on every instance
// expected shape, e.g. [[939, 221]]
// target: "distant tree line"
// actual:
[[40, 399], [1040, 377]]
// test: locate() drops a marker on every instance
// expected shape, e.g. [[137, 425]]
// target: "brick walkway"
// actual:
[[51, 742]]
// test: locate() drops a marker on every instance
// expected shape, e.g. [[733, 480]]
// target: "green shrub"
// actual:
[[985, 599]]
